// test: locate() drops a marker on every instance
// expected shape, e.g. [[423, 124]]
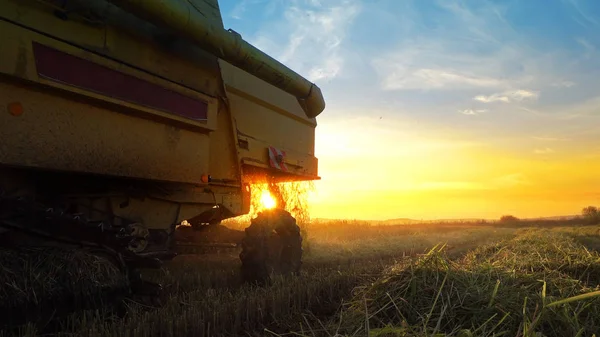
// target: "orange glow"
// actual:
[[291, 196], [430, 173], [260, 198], [15, 109], [266, 200]]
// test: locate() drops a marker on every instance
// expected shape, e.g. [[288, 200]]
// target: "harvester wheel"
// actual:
[[272, 246]]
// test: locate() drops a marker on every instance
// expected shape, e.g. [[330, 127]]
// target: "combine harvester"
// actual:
[[122, 118]]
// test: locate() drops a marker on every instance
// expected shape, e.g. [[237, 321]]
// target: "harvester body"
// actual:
[[142, 114]]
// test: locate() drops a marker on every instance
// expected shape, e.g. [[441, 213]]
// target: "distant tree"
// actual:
[[591, 214], [508, 219]]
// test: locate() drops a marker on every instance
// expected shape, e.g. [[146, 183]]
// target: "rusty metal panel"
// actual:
[[263, 114], [54, 132], [57, 66], [250, 87], [49, 124], [18, 59], [224, 163], [294, 163], [104, 29], [260, 126], [260, 121], [80, 29], [188, 21], [266, 116]]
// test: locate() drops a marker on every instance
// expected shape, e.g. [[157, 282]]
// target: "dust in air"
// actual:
[[291, 196]]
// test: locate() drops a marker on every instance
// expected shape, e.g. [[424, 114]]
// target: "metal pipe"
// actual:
[[181, 18]]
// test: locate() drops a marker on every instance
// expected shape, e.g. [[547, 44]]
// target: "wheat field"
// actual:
[[358, 279]]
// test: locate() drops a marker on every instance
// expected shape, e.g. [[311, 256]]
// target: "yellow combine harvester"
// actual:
[[122, 118]]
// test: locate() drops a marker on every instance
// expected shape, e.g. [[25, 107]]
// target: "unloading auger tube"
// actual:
[[180, 18]]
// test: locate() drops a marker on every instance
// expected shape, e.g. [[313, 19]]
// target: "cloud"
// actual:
[[401, 77], [508, 96], [310, 37], [467, 47], [531, 111], [434, 63], [543, 151], [501, 182], [337, 138], [451, 185], [581, 12], [492, 98], [550, 139], [462, 46], [511, 180], [587, 45], [585, 110], [564, 84], [472, 112], [240, 10]]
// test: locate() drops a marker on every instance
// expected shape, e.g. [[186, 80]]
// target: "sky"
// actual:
[[443, 109]]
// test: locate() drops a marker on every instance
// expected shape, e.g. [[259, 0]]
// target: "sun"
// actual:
[[267, 201]]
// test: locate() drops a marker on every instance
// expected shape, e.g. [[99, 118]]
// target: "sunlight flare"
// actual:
[[266, 200]]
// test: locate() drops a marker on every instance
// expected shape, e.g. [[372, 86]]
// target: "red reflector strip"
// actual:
[[77, 72], [276, 158]]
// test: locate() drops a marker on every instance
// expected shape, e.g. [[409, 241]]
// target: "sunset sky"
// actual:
[[444, 109]]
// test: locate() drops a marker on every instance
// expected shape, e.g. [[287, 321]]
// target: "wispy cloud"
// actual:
[[589, 49], [398, 76], [546, 150], [472, 112], [587, 109], [508, 96], [470, 47], [339, 139], [531, 111], [240, 10], [550, 139], [587, 45], [451, 185], [310, 38], [511, 180], [564, 84], [577, 6]]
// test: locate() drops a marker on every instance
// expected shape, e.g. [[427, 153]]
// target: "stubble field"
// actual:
[[458, 279]]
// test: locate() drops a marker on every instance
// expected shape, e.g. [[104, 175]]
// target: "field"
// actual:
[[461, 279]]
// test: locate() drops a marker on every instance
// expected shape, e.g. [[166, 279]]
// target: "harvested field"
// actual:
[[362, 280], [49, 281], [518, 287]]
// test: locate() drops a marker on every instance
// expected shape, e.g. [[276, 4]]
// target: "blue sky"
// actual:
[[411, 79]]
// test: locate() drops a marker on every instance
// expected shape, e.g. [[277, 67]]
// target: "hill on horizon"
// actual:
[[408, 221]]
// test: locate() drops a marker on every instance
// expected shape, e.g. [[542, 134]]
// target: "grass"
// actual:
[[34, 278], [539, 283], [362, 280]]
